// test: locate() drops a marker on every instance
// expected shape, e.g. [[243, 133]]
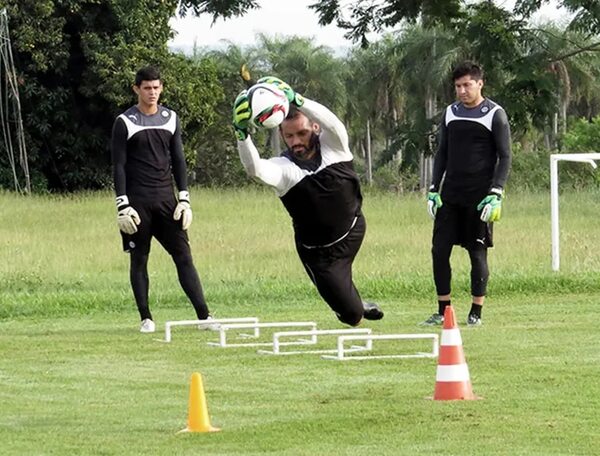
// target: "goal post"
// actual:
[[554, 217]]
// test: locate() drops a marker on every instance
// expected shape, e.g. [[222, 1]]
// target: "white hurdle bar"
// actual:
[[313, 340], [171, 324], [256, 327], [341, 351]]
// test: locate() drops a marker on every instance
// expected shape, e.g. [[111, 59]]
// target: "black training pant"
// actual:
[[157, 221], [330, 269]]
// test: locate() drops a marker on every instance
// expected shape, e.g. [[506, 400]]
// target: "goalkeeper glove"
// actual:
[[290, 94], [241, 115], [183, 211], [127, 217], [491, 206], [434, 202]]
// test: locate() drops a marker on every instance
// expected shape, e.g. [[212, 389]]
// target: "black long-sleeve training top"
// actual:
[[147, 153], [474, 152], [323, 197]]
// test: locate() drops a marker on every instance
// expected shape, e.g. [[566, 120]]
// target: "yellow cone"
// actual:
[[198, 420]]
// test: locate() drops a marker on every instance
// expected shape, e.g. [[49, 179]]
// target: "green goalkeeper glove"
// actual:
[[241, 115], [292, 96], [434, 202], [491, 206]]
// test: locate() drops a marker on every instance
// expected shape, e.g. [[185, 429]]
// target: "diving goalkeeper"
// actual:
[[316, 182]]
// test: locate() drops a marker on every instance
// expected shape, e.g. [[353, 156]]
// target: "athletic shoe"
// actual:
[[372, 311], [434, 320], [210, 326], [473, 320], [147, 326]]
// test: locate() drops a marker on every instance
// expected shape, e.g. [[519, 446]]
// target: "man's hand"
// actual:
[[127, 217], [434, 202], [183, 211], [241, 115], [491, 206], [292, 96]]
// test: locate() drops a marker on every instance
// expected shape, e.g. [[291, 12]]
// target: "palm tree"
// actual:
[[572, 60], [428, 55]]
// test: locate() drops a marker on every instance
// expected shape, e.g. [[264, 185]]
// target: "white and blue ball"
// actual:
[[268, 104]]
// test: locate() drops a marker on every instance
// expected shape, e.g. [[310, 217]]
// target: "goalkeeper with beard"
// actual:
[[316, 182]]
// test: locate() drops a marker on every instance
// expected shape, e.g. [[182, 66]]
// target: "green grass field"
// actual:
[[76, 376]]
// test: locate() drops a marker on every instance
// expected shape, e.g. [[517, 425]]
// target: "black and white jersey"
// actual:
[[147, 153], [474, 152], [323, 196]]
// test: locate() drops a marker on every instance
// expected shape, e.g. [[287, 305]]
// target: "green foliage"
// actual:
[[364, 17], [583, 136], [217, 8], [76, 76], [531, 171], [393, 177], [310, 70], [217, 161], [192, 89]]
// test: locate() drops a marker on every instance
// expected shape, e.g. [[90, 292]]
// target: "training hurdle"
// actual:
[[224, 328], [171, 324], [342, 352], [313, 334]]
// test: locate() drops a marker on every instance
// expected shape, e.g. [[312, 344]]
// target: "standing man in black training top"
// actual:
[[317, 184], [147, 153], [473, 159]]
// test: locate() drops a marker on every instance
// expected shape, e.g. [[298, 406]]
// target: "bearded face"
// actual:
[[300, 136]]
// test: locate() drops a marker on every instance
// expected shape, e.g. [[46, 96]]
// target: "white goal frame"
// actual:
[[554, 159]]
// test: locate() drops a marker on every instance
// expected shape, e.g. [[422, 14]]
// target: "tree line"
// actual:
[[75, 63]]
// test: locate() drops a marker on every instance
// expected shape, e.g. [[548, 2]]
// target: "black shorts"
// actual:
[[460, 225], [156, 220]]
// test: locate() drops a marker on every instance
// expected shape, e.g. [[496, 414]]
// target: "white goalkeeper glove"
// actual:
[[183, 211], [127, 217]]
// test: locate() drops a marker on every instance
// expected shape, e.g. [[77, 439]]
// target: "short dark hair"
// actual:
[[148, 73], [467, 68], [293, 112]]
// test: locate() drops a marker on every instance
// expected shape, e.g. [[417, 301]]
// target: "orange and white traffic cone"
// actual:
[[198, 419], [452, 380]]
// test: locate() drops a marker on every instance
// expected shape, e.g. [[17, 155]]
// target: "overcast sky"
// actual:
[[283, 18]]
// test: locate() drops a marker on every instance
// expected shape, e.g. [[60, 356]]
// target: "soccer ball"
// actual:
[[268, 104]]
